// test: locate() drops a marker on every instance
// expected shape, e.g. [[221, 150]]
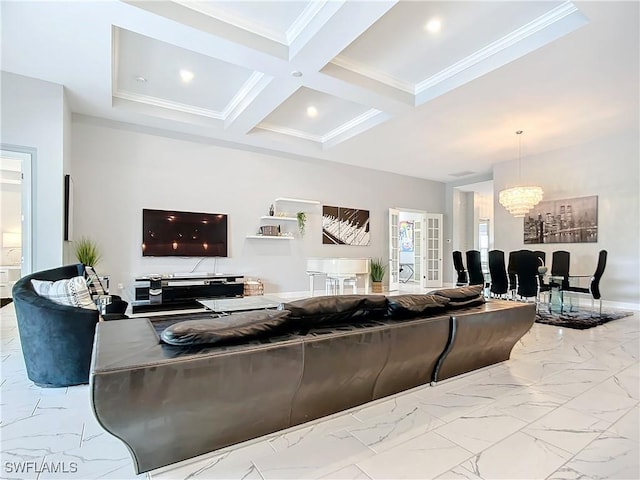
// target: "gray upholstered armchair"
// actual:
[[57, 340]]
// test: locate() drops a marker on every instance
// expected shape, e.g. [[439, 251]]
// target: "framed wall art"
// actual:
[[571, 220], [345, 226]]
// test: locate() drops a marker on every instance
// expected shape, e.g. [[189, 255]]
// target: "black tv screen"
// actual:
[[183, 234]]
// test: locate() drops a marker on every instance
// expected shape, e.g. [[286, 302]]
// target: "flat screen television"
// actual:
[[183, 234]]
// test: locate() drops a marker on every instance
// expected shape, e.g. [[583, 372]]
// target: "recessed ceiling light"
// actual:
[[186, 75], [141, 79], [433, 26], [296, 73], [312, 111]]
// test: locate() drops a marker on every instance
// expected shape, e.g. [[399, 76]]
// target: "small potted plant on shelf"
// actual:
[[378, 269], [302, 221], [87, 252]]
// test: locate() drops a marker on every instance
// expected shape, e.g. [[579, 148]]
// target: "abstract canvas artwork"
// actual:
[[571, 220], [345, 226], [406, 236]]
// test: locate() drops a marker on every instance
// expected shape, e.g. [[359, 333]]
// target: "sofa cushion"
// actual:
[[415, 305], [69, 291], [224, 329], [333, 309], [462, 296]]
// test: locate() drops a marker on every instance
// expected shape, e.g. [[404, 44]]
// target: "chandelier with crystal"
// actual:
[[519, 200]]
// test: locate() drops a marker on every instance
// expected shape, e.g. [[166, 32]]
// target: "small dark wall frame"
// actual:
[[68, 208]]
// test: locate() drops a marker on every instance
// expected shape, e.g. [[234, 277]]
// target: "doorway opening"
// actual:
[[415, 250], [15, 230]]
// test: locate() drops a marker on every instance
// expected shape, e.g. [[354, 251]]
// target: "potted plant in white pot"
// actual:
[[378, 269]]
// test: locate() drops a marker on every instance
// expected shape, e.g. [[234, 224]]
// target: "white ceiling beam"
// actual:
[[259, 104], [356, 88], [347, 24], [211, 25], [207, 39]]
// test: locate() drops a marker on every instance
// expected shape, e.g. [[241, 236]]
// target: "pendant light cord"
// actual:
[[519, 133]]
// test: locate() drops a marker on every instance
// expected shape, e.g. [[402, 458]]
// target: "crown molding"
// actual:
[[304, 19], [177, 106], [241, 95], [372, 73], [556, 14], [238, 21], [351, 124], [517, 36], [342, 130], [290, 132]]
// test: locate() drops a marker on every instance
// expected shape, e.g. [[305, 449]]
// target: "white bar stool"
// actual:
[[333, 285]]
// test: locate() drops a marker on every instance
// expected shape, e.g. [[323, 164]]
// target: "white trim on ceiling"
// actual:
[[284, 38], [242, 93], [533, 27], [289, 131], [340, 130], [304, 19], [246, 88], [499, 45], [366, 71], [354, 122], [159, 102]]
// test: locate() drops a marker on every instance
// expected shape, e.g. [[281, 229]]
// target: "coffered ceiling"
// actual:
[[429, 89]]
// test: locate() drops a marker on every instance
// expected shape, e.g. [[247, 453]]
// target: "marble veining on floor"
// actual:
[[565, 406]]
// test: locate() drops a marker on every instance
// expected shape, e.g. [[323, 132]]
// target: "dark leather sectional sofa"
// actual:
[[169, 403]]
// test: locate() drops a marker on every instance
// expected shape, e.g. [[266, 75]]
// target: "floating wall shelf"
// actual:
[[271, 237], [275, 217], [297, 200]]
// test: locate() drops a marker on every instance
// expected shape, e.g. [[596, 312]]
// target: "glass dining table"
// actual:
[[557, 288], [556, 292]]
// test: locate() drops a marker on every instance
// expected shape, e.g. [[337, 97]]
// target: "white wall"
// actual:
[[117, 172], [32, 116], [608, 168]]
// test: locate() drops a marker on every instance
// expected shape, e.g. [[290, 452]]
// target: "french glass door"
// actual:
[[433, 235]]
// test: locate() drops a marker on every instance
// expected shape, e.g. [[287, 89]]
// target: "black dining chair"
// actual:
[[594, 283], [511, 272], [498, 273], [460, 271], [527, 273], [474, 266], [560, 260], [544, 286]]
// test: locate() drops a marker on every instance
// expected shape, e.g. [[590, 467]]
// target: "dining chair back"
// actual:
[[594, 284], [527, 273], [595, 281], [498, 273], [560, 261], [474, 266], [511, 271], [542, 262], [460, 271]]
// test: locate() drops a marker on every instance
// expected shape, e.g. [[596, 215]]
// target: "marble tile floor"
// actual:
[[566, 406]]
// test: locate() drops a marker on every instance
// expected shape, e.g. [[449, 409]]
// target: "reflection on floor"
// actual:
[[565, 406]]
